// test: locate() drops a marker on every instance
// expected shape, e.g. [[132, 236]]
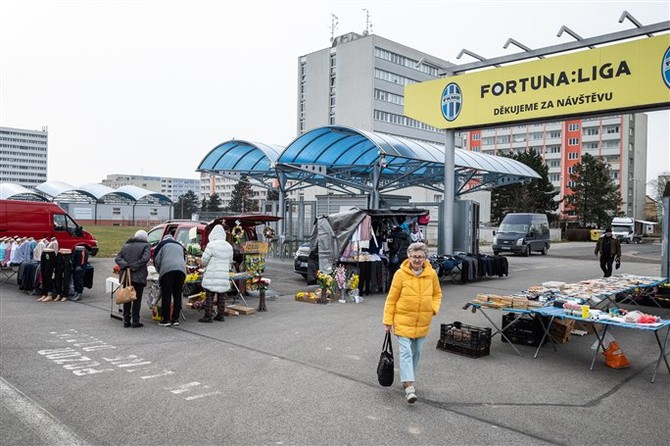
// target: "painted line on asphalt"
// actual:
[[39, 420]]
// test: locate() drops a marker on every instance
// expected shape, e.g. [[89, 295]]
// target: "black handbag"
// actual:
[[385, 366]]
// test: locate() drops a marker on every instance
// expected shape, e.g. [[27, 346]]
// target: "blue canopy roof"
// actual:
[[347, 158], [345, 155]]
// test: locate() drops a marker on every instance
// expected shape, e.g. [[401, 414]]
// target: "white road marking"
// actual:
[[42, 423]]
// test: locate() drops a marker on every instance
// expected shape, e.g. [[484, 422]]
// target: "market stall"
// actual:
[[594, 303], [369, 243]]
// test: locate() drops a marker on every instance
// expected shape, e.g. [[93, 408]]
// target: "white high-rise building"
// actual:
[[23, 156]]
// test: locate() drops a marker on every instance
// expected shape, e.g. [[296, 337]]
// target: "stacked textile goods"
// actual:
[[481, 266]]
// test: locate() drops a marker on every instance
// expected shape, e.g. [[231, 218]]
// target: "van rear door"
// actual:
[[3, 219]]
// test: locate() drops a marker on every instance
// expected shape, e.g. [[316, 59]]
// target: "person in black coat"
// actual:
[[133, 260]]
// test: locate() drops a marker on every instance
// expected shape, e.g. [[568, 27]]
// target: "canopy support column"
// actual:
[[446, 243]]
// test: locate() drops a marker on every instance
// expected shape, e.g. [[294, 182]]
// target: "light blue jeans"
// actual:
[[410, 352]]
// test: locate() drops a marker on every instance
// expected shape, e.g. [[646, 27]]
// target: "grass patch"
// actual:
[[111, 238]]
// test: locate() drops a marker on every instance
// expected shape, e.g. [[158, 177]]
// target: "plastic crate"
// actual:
[[525, 331], [464, 351], [466, 340]]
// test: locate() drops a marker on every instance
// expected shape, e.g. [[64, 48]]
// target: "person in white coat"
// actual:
[[216, 259]]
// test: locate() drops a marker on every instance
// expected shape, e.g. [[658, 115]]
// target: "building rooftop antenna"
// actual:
[[333, 25], [368, 22]]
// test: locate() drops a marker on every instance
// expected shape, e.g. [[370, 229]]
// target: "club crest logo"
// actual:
[[665, 68], [452, 101]]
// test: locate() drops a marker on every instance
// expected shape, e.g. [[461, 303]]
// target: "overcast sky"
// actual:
[[150, 87]]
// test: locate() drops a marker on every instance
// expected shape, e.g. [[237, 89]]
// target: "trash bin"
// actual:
[[595, 234]]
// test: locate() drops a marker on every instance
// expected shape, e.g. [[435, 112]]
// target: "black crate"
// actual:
[[464, 339], [464, 351], [525, 331]]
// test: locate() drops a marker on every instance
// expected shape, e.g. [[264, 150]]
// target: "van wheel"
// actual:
[[544, 250], [526, 252]]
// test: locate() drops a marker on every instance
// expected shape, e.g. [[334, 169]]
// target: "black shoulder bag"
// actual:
[[385, 366]]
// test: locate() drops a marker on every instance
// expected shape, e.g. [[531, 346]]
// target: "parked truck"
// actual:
[[627, 229]]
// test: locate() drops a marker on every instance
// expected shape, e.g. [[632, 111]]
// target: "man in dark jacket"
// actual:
[[133, 260], [610, 249]]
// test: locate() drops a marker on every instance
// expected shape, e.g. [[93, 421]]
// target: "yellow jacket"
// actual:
[[412, 301]]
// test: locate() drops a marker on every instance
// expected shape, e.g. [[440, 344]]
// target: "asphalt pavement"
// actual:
[[304, 373]]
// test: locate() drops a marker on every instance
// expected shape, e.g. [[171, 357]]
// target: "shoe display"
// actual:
[[165, 324], [205, 319], [410, 395], [219, 317], [137, 325]]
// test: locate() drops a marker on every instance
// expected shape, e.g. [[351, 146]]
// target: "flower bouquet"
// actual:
[[237, 232], [326, 283], [260, 283], [340, 276], [353, 289], [306, 296], [269, 233]]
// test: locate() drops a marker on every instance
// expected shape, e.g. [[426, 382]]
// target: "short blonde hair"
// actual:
[[417, 246]]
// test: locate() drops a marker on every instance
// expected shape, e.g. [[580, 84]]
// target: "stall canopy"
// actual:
[[332, 233]]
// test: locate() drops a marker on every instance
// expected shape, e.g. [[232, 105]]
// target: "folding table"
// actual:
[[554, 312], [517, 312]]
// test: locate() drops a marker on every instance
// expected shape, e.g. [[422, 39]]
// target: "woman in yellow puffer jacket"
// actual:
[[414, 298]]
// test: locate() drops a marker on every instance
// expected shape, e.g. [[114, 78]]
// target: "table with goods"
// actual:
[[550, 312]]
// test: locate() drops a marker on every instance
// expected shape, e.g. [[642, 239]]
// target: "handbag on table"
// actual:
[[385, 365], [125, 293]]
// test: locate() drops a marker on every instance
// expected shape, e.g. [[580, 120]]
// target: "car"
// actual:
[[186, 230], [300, 260]]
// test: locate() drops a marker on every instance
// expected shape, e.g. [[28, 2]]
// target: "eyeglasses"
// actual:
[[417, 257]]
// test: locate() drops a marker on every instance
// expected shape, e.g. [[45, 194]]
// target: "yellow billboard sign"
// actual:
[[627, 76]]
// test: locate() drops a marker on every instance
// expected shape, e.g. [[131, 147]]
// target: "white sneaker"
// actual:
[[409, 394]]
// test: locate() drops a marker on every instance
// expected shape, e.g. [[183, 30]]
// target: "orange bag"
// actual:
[[614, 356]]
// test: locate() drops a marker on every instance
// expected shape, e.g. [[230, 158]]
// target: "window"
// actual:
[[573, 127], [612, 129], [591, 131], [504, 139], [573, 156], [573, 141], [392, 77], [476, 137], [554, 134]]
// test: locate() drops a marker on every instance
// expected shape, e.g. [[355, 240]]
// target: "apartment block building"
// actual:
[[359, 81], [23, 156], [620, 141], [171, 187]]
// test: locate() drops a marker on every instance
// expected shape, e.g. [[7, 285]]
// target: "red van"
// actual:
[[39, 219]]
